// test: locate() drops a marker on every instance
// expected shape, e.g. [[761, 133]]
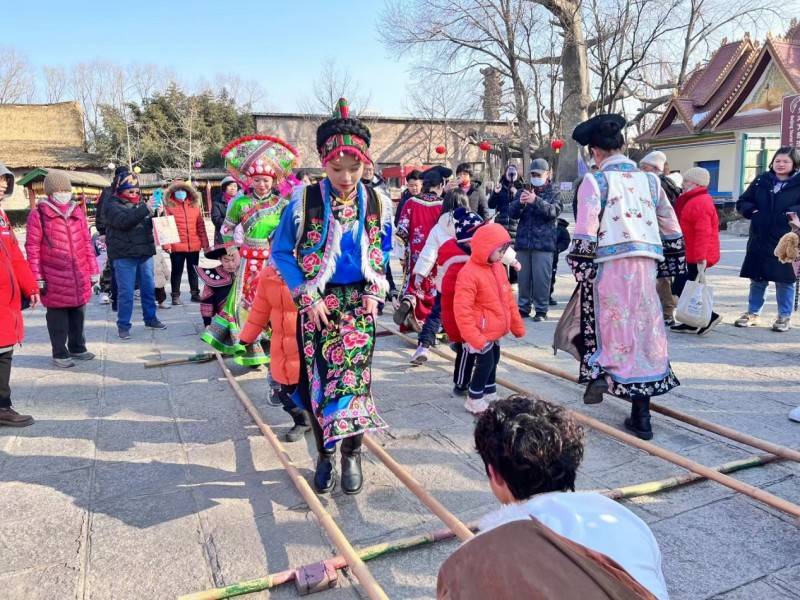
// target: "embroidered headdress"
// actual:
[[343, 135], [259, 154]]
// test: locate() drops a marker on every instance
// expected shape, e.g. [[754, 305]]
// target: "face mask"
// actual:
[[62, 197], [180, 195], [509, 257], [538, 181]]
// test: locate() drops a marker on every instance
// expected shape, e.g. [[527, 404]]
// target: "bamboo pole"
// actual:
[[690, 465], [202, 357], [454, 523], [357, 566], [737, 436], [369, 553], [661, 485]]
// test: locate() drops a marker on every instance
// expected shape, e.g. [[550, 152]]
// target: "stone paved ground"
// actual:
[[142, 483]]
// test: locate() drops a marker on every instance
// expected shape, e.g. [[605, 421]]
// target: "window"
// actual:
[[757, 153], [712, 166]]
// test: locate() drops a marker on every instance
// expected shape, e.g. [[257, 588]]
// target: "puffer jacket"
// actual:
[[484, 304], [450, 260], [536, 229], [60, 253], [129, 229], [16, 279], [477, 200], [700, 226], [188, 220], [501, 203], [273, 305]]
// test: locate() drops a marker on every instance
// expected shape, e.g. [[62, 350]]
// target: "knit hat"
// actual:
[[539, 165], [255, 155], [698, 175], [56, 181], [655, 159], [343, 135], [466, 222], [125, 181]]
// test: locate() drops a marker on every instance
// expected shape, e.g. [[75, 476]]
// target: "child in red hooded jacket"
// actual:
[[16, 280], [485, 309]]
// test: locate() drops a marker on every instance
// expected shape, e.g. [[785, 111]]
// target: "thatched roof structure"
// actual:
[[79, 179], [43, 135]]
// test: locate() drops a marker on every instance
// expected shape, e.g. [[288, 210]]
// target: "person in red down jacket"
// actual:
[[486, 311], [700, 225], [62, 260], [452, 256], [16, 280]]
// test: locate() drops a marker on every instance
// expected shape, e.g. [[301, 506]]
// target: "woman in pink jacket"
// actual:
[[62, 259]]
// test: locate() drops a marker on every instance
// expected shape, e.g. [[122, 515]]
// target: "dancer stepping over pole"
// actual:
[[329, 249], [264, 162]]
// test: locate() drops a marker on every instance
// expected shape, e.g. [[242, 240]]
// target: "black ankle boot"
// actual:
[[594, 391], [195, 295], [325, 473], [639, 421], [302, 425], [352, 477]]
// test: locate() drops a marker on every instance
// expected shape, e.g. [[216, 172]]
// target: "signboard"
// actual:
[[566, 186], [790, 121]]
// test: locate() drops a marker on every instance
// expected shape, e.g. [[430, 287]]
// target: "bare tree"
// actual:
[[333, 83], [247, 93], [16, 78], [56, 84]]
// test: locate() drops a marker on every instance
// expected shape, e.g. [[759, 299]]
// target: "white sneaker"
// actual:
[[794, 415], [104, 299], [493, 397], [475, 407], [420, 356]]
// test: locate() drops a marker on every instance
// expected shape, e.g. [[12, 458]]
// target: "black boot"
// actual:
[[325, 473], [594, 391], [302, 425], [352, 477], [639, 421], [195, 295]]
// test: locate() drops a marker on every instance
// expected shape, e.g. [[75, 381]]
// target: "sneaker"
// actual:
[[124, 334], [539, 317], [715, 320], [155, 324], [782, 324], [684, 328], [11, 418], [475, 406], [524, 314], [401, 312], [104, 299], [459, 392], [163, 305], [82, 355], [420, 356], [669, 322], [493, 397], [794, 415], [63, 363], [746, 320]]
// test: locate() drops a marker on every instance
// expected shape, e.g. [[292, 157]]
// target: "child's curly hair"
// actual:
[[534, 445]]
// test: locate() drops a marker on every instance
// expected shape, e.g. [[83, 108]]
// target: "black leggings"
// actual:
[[484, 373], [177, 259]]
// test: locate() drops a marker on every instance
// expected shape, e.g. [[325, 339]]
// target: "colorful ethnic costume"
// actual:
[[244, 158], [626, 236], [331, 249], [217, 284], [418, 217]]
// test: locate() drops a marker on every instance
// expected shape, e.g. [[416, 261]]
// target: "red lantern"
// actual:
[[557, 145], [440, 150], [485, 146]]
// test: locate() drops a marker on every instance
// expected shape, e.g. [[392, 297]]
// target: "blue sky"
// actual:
[[279, 43]]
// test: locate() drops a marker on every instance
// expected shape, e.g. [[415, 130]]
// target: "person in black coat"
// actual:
[[767, 202], [500, 201], [472, 188], [228, 190]]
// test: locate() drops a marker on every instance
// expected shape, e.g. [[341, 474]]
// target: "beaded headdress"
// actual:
[[259, 154]]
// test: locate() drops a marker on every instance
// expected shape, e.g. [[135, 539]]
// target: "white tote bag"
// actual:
[[696, 302]]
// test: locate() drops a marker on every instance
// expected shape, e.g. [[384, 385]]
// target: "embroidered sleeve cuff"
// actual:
[[674, 262], [581, 257], [375, 290], [305, 301]]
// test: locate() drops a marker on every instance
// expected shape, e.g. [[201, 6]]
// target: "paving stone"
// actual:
[[41, 583]]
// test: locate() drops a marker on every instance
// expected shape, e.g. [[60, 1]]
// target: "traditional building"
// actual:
[[399, 141], [726, 117], [43, 136]]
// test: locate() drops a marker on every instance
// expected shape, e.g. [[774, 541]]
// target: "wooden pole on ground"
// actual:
[[737, 436], [371, 587], [456, 526], [690, 465]]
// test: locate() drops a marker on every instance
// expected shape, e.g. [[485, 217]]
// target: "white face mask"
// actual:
[[509, 257], [538, 181], [62, 197]]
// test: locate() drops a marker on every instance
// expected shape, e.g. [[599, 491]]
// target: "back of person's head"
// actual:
[[535, 446], [607, 136], [431, 179], [453, 199]]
